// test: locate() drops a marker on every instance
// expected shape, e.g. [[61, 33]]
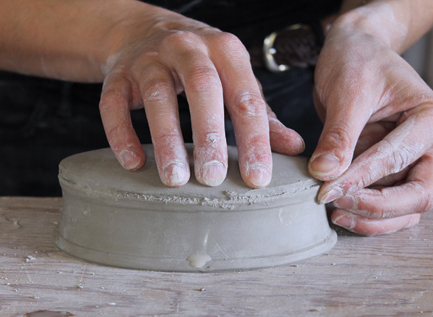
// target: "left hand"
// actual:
[[377, 110]]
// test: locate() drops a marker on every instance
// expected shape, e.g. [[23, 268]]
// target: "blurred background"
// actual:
[[420, 56]]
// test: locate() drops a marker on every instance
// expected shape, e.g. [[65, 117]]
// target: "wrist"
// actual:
[[383, 20], [133, 27]]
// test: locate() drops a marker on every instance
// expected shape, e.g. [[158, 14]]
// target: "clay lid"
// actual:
[[130, 219], [99, 172]]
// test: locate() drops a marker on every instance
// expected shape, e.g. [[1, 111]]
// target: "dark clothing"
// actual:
[[252, 20], [42, 121]]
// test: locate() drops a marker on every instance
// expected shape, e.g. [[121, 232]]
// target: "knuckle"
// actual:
[[400, 160], [378, 213], [116, 132], [259, 141], [379, 210], [110, 99], [183, 40], [396, 160], [338, 136], [164, 138], [204, 78], [250, 105], [211, 138], [229, 38], [156, 89], [258, 146], [231, 43]]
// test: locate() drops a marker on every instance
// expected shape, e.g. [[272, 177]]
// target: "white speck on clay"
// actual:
[[198, 260], [287, 216]]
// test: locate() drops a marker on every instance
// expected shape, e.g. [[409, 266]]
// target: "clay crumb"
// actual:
[[30, 258]]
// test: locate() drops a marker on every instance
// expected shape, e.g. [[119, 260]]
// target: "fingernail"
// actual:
[[303, 146], [175, 174], [345, 222], [346, 202], [259, 174], [333, 194], [324, 164], [212, 173], [130, 159]]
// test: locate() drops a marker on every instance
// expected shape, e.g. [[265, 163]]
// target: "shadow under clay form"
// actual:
[[131, 220]]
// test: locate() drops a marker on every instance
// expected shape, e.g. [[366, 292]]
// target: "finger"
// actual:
[[396, 151], [203, 90], [160, 102], [115, 114], [283, 140], [371, 134], [247, 109], [372, 227], [345, 119], [392, 179], [414, 196]]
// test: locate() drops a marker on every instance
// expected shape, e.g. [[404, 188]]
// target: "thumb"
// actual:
[[344, 122]]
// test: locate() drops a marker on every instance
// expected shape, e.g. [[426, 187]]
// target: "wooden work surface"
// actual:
[[360, 276]]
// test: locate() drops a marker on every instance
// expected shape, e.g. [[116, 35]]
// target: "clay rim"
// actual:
[[285, 186]]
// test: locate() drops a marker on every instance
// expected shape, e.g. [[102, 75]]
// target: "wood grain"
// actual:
[[386, 275]]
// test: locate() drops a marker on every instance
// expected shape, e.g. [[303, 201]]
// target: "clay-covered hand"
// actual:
[[378, 112], [161, 54]]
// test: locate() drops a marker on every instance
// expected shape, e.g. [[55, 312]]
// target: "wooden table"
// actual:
[[385, 275]]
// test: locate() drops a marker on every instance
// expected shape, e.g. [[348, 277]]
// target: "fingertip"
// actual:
[[284, 140], [413, 220], [258, 175], [131, 159], [343, 219], [347, 202], [211, 173], [372, 227], [175, 174], [302, 146], [323, 165], [325, 197]]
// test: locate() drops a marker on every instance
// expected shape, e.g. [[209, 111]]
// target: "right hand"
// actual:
[[161, 54], [377, 110]]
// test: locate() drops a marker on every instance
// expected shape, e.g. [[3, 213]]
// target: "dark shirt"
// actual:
[[252, 20]]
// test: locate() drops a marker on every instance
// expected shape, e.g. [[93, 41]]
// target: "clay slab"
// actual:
[[130, 219]]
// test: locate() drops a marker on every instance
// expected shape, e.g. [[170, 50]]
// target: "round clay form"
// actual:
[[130, 219]]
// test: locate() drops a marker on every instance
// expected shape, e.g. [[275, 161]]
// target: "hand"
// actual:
[[164, 54], [379, 112]]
